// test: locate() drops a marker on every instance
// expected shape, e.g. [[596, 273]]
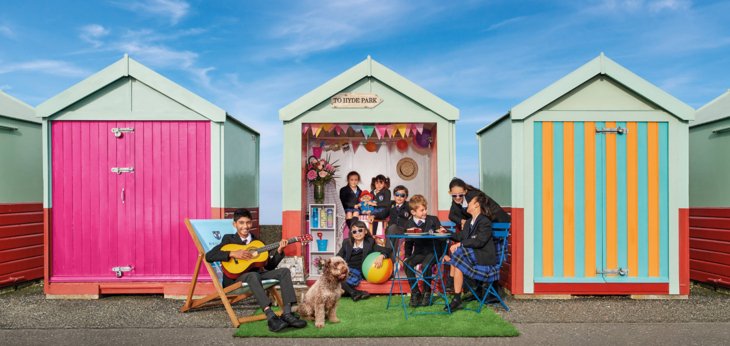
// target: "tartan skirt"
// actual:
[[465, 259]]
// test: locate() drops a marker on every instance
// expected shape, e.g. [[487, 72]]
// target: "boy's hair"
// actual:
[[239, 213], [417, 201], [353, 173], [401, 188], [381, 178]]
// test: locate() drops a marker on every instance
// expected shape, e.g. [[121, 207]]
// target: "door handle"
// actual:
[[619, 130], [123, 196]]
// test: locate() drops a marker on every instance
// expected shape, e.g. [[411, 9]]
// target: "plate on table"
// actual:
[[418, 233]]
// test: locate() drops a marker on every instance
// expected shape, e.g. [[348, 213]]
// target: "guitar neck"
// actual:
[[276, 245]]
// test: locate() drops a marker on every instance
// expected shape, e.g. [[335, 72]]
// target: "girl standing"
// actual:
[[350, 194]]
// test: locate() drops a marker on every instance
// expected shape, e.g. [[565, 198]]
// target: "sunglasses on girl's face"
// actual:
[[397, 194], [357, 231], [457, 195]]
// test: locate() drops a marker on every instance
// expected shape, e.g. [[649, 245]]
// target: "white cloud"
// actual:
[[173, 10], [51, 67], [506, 22], [93, 33], [7, 31], [638, 6]]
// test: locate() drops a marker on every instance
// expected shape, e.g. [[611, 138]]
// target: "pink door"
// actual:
[[120, 193]]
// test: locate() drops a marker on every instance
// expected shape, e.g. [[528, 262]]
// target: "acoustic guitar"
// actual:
[[237, 266]]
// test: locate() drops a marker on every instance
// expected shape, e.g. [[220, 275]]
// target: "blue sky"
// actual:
[[254, 57]]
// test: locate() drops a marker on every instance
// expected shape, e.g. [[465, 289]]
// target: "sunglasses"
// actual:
[[397, 194], [457, 195], [357, 231]]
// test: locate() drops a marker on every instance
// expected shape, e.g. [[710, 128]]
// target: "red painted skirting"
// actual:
[[601, 288], [292, 226], [95, 289], [683, 251], [21, 242], [708, 250]]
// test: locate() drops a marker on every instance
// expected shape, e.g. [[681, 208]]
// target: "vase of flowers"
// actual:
[[320, 172], [319, 264]]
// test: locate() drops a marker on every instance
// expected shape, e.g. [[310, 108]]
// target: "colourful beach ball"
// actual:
[[376, 275]]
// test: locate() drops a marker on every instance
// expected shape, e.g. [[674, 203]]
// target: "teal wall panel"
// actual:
[[241, 168], [21, 174], [709, 165]]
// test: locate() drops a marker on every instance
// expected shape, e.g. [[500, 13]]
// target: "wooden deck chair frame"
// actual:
[[225, 296]]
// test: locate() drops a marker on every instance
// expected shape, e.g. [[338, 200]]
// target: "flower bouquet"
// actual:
[[319, 172], [319, 263]]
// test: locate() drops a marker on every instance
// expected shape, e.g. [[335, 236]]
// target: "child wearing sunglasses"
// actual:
[[354, 250], [398, 214], [461, 193]]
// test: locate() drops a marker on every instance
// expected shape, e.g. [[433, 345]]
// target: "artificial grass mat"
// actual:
[[369, 318]]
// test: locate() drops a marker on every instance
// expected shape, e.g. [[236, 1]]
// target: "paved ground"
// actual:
[[26, 317]]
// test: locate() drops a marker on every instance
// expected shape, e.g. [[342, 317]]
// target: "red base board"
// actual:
[[601, 288], [21, 242]]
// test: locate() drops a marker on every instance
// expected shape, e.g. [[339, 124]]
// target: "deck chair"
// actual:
[[206, 234], [500, 232]]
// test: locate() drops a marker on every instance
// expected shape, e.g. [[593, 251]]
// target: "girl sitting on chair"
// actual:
[[474, 253]]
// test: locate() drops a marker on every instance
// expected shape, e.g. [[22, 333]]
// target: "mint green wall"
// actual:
[[495, 152], [709, 165], [241, 153], [21, 174]]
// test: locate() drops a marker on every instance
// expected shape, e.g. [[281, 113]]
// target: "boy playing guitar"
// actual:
[[242, 221]]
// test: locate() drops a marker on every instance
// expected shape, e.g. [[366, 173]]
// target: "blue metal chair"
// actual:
[[449, 225], [500, 232]]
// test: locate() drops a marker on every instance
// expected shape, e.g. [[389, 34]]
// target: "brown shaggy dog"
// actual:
[[321, 299]]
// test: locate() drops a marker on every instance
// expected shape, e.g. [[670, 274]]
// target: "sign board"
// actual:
[[355, 100]]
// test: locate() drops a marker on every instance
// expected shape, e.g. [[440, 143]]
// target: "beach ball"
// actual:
[[376, 275], [371, 146], [402, 145]]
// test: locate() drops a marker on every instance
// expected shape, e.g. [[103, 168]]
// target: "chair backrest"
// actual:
[[449, 225], [207, 234], [500, 232]]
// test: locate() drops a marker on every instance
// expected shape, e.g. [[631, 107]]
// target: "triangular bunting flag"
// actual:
[[356, 128], [305, 128], [328, 127], [367, 130], [401, 129], [355, 144], [316, 128], [343, 127], [419, 128], [380, 130]]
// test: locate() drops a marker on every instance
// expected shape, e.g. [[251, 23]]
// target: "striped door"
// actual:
[[103, 219], [601, 202]]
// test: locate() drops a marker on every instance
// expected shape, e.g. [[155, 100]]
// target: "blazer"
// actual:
[[217, 255], [479, 238], [423, 246], [348, 198], [382, 198], [368, 246], [458, 213], [399, 216]]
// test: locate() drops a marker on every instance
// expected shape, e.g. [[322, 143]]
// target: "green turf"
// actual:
[[369, 318]]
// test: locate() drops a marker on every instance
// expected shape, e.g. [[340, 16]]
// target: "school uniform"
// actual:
[[382, 208], [457, 212], [477, 255], [349, 198], [354, 256], [421, 251], [254, 275]]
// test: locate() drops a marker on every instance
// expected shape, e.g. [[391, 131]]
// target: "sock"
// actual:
[[287, 308], [269, 313]]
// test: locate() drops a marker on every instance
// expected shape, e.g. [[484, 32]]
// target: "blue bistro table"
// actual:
[[395, 240]]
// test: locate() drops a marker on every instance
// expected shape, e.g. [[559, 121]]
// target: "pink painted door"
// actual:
[[133, 218]]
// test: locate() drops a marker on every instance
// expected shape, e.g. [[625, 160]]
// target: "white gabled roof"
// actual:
[[369, 68], [602, 65], [715, 110], [13, 108], [128, 67]]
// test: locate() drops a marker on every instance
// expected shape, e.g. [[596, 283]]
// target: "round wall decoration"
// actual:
[[407, 168]]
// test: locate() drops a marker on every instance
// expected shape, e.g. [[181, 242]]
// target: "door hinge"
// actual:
[[121, 270], [120, 170], [619, 271], [619, 130], [117, 131]]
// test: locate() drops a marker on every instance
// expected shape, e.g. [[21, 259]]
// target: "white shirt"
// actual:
[[356, 246], [247, 239], [417, 220]]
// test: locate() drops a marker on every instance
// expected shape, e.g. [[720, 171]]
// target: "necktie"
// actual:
[[419, 223]]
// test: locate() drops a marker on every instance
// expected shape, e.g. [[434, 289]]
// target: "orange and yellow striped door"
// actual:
[[601, 202]]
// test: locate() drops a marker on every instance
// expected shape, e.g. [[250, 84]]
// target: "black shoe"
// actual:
[[293, 321], [426, 300], [355, 297], [454, 305], [276, 324], [364, 295], [415, 299]]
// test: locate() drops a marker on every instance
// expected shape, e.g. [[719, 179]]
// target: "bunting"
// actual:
[[367, 130]]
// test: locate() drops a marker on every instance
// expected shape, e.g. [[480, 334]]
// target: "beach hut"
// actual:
[[21, 193], [128, 155], [709, 193], [371, 120], [597, 169]]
